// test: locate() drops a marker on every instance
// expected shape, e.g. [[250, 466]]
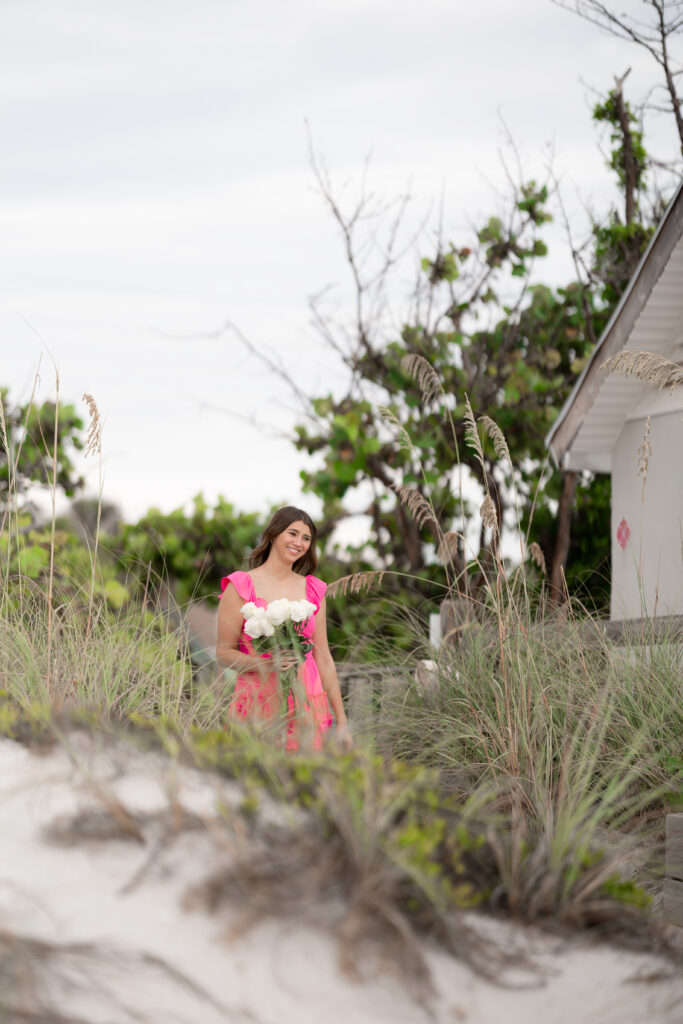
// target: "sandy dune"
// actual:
[[149, 955]]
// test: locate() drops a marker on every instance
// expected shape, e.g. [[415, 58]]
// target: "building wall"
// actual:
[[647, 520]]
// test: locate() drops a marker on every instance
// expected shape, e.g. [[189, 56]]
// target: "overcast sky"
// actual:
[[155, 183]]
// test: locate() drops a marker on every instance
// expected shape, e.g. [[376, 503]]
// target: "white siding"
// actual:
[[647, 574]]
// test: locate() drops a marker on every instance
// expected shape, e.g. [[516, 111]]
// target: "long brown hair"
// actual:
[[279, 522]]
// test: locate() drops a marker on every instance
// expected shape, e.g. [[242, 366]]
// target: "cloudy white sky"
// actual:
[[155, 183]]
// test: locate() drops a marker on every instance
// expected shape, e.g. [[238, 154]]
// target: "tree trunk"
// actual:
[[564, 514], [630, 165]]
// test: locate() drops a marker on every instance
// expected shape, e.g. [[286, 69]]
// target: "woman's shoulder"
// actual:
[[316, 589], [241, 581]]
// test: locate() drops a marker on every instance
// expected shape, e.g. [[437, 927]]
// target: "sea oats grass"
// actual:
[[648, 367], [112, 661], [574, 738], [425, 376]]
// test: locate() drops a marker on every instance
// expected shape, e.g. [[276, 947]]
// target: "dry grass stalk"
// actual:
[[424, 375], [389, 416], [36, 975], [356, 583], [488, 512], [93, 442], [537, 557], [644, 452], [3, 428], [53, 528], [648, 367], [124, 819], [418, 506], [471, 433], [497, 436], [4, 440], [449, 546], [359, 861], [93, 446]]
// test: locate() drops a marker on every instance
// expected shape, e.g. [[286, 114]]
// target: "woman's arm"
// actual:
[[229, 630], [328, 674]]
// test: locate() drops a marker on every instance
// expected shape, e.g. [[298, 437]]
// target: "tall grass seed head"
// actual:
[[537, 557], [424, 375], [488, 513], [644, 452], [93, 441]]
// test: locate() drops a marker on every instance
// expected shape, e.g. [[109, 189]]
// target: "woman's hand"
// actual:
[[284, 660], [344, 738]]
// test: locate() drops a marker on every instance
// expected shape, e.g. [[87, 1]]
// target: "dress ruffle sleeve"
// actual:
[[241, 582], [316, 591]]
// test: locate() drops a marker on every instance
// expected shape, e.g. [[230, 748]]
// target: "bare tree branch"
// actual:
[[276, 366], [654, 35], [260, 425]]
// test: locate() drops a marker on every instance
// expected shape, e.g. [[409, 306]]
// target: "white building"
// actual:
[[603, 424]]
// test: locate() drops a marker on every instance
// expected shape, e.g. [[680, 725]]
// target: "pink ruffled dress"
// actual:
[[258, 699]]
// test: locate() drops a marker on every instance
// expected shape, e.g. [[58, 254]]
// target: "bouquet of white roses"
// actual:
[[277, 628]]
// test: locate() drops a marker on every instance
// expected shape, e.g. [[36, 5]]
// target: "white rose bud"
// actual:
[[279, 611], [301, 610], [253, 627], [248, 609], [268, 627], [259, 624]]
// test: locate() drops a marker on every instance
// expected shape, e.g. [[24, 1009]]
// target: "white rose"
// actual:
[[259, 624], [253, 626], [248, 609], [301, 610], [279, 611]]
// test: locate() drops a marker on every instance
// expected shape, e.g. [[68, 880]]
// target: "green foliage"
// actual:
[[26, 554], [607, 112], [618, 248], [382, 625], [588, 565], [192, 550], [482, 327], [619, 244], [25, 723], [27, 446], [518, 371], [626, 891]]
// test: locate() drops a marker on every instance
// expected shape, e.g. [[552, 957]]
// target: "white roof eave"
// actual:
[[631, 304]]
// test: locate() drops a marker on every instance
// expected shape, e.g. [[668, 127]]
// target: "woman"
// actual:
[[281, 566]]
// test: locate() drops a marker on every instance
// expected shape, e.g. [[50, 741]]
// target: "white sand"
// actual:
[[272, 971]]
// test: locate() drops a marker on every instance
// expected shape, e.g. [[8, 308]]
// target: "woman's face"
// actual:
[[293, 542]]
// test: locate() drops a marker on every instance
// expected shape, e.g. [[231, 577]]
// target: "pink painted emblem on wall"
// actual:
[[623, 534]]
